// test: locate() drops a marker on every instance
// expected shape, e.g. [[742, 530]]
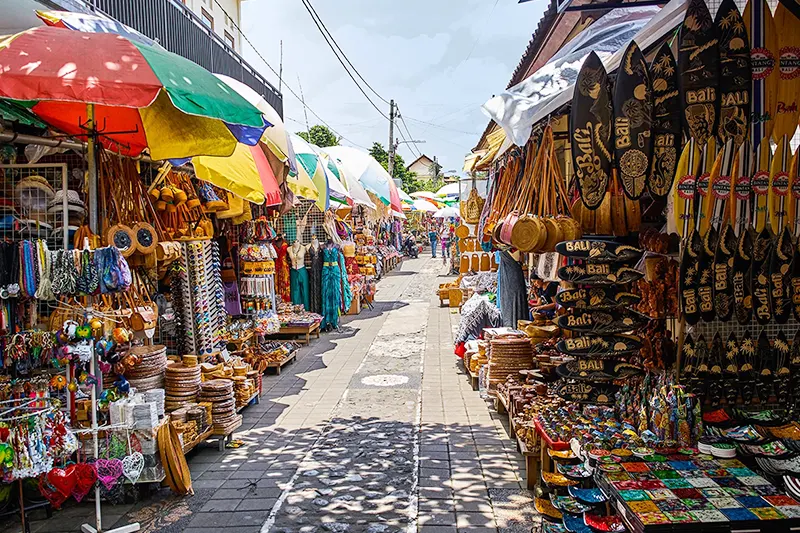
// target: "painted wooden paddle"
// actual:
[[760, 185], [703, 239], [590, 132], [763, 53], [780, 276], [685, 188], [741, 199], [632, 104], [666, 122], [779, 184], [743, 277], [735, 74]]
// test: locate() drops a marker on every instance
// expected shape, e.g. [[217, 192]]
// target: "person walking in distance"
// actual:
[[444, 238], [434, 238]]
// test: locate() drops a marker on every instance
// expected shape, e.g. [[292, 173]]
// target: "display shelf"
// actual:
[[532, 465], [300, 332], [473, 378], [200, 439], [277, 365], [225, 435]]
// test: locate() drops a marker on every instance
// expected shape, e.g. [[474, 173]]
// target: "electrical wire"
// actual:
[[325, 36], [411, 146], [315, 14], [288, 87]]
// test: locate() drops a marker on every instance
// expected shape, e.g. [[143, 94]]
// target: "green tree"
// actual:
[[319, 135], [408, 178]]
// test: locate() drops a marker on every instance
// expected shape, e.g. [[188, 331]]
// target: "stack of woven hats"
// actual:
[[182, 384], [219, 392], [149, 372], [508, 356]]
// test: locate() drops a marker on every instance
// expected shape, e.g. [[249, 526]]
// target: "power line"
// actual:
[[441, 127], [253, 46], [411, 146], [317, 23], [311, 9]]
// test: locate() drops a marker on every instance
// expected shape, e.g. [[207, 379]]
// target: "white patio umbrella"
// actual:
[[424, 194], [424, 205], [451, 189], [350, 181], [447, 212]]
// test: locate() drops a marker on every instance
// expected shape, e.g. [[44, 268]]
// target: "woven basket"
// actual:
[[528, 234], [471, 209], [554, 234]]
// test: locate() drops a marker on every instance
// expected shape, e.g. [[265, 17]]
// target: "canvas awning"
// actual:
[[519, 108]]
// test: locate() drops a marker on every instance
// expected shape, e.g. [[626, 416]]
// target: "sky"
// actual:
[[440, 60]]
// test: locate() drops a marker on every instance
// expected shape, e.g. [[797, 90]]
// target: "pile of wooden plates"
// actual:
[[182, 385]]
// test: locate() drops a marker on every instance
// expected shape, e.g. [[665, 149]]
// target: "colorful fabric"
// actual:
[[282, 281], [299, 287], [331, 288], [315, 280]]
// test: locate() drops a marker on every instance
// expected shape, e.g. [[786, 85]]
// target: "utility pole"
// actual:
[[435, 170], [280, 69], [303, 101], [390, 162]]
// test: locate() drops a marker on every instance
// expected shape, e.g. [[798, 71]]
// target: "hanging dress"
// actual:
[[331, 287], [513, 295], [315, 280], [282, 282], [347, 293]]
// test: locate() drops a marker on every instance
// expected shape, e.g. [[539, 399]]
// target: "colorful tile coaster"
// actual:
[[766, 490], [610, 467], [635, 467], [704, 457], [655, 458], [642, 476], [691, 473], [714, 493], [730, 463], [643, 507], [752, 501], [651, 484], [671, 504], [676, 483], [683, 465], [652, 519], [705, 464], [610, 524], [735, 492], [617, 476], [655, 465], [660, 494], [687, 493], [728, 482], [717, 472], [754, 480], [701, 504], [590, 496], [568, 504], [738, 514], [553, 527], [791, 511], [768, 513], [627, 485], [633, 495], [575, 524], [780, 500], [708, 516], [679, 516], [703, 482], [666, 474], [724, 503], [740, 472], [676, 457]]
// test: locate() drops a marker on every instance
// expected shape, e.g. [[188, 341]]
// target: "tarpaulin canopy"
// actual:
[[549, 88]]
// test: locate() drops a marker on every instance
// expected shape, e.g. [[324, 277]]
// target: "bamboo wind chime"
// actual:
[[533, 211]]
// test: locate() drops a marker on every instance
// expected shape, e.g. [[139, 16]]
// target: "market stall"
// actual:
[[640, 332]]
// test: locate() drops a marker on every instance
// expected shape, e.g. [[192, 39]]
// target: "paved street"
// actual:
[[373, 429]]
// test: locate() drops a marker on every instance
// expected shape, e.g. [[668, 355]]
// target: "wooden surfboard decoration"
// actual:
[[795, 291], [731, 371], [632, 122], [766, 363], [598, 322], [741, 191], [746, 356], [666, 122], [685, 188], [742, 277], [779, 184], [717, 210], [609, 345], [590, 132], [780, 276], [735, 75], [698, 68], [763, 63], [599, 251], [724, 301], [762, 299], [787, 22], [708, 160], [599, 274], [688, 279], [596, 298], [793, 200], [760, 185], [707, 235]]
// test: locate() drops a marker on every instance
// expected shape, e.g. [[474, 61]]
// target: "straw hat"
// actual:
[[74, 202], [34, 193]]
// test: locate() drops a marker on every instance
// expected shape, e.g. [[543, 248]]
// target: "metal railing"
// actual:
[[180, 31]]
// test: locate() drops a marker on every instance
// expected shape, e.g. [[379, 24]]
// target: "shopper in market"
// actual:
[[434, 238], [545, 294], [444, 238]]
